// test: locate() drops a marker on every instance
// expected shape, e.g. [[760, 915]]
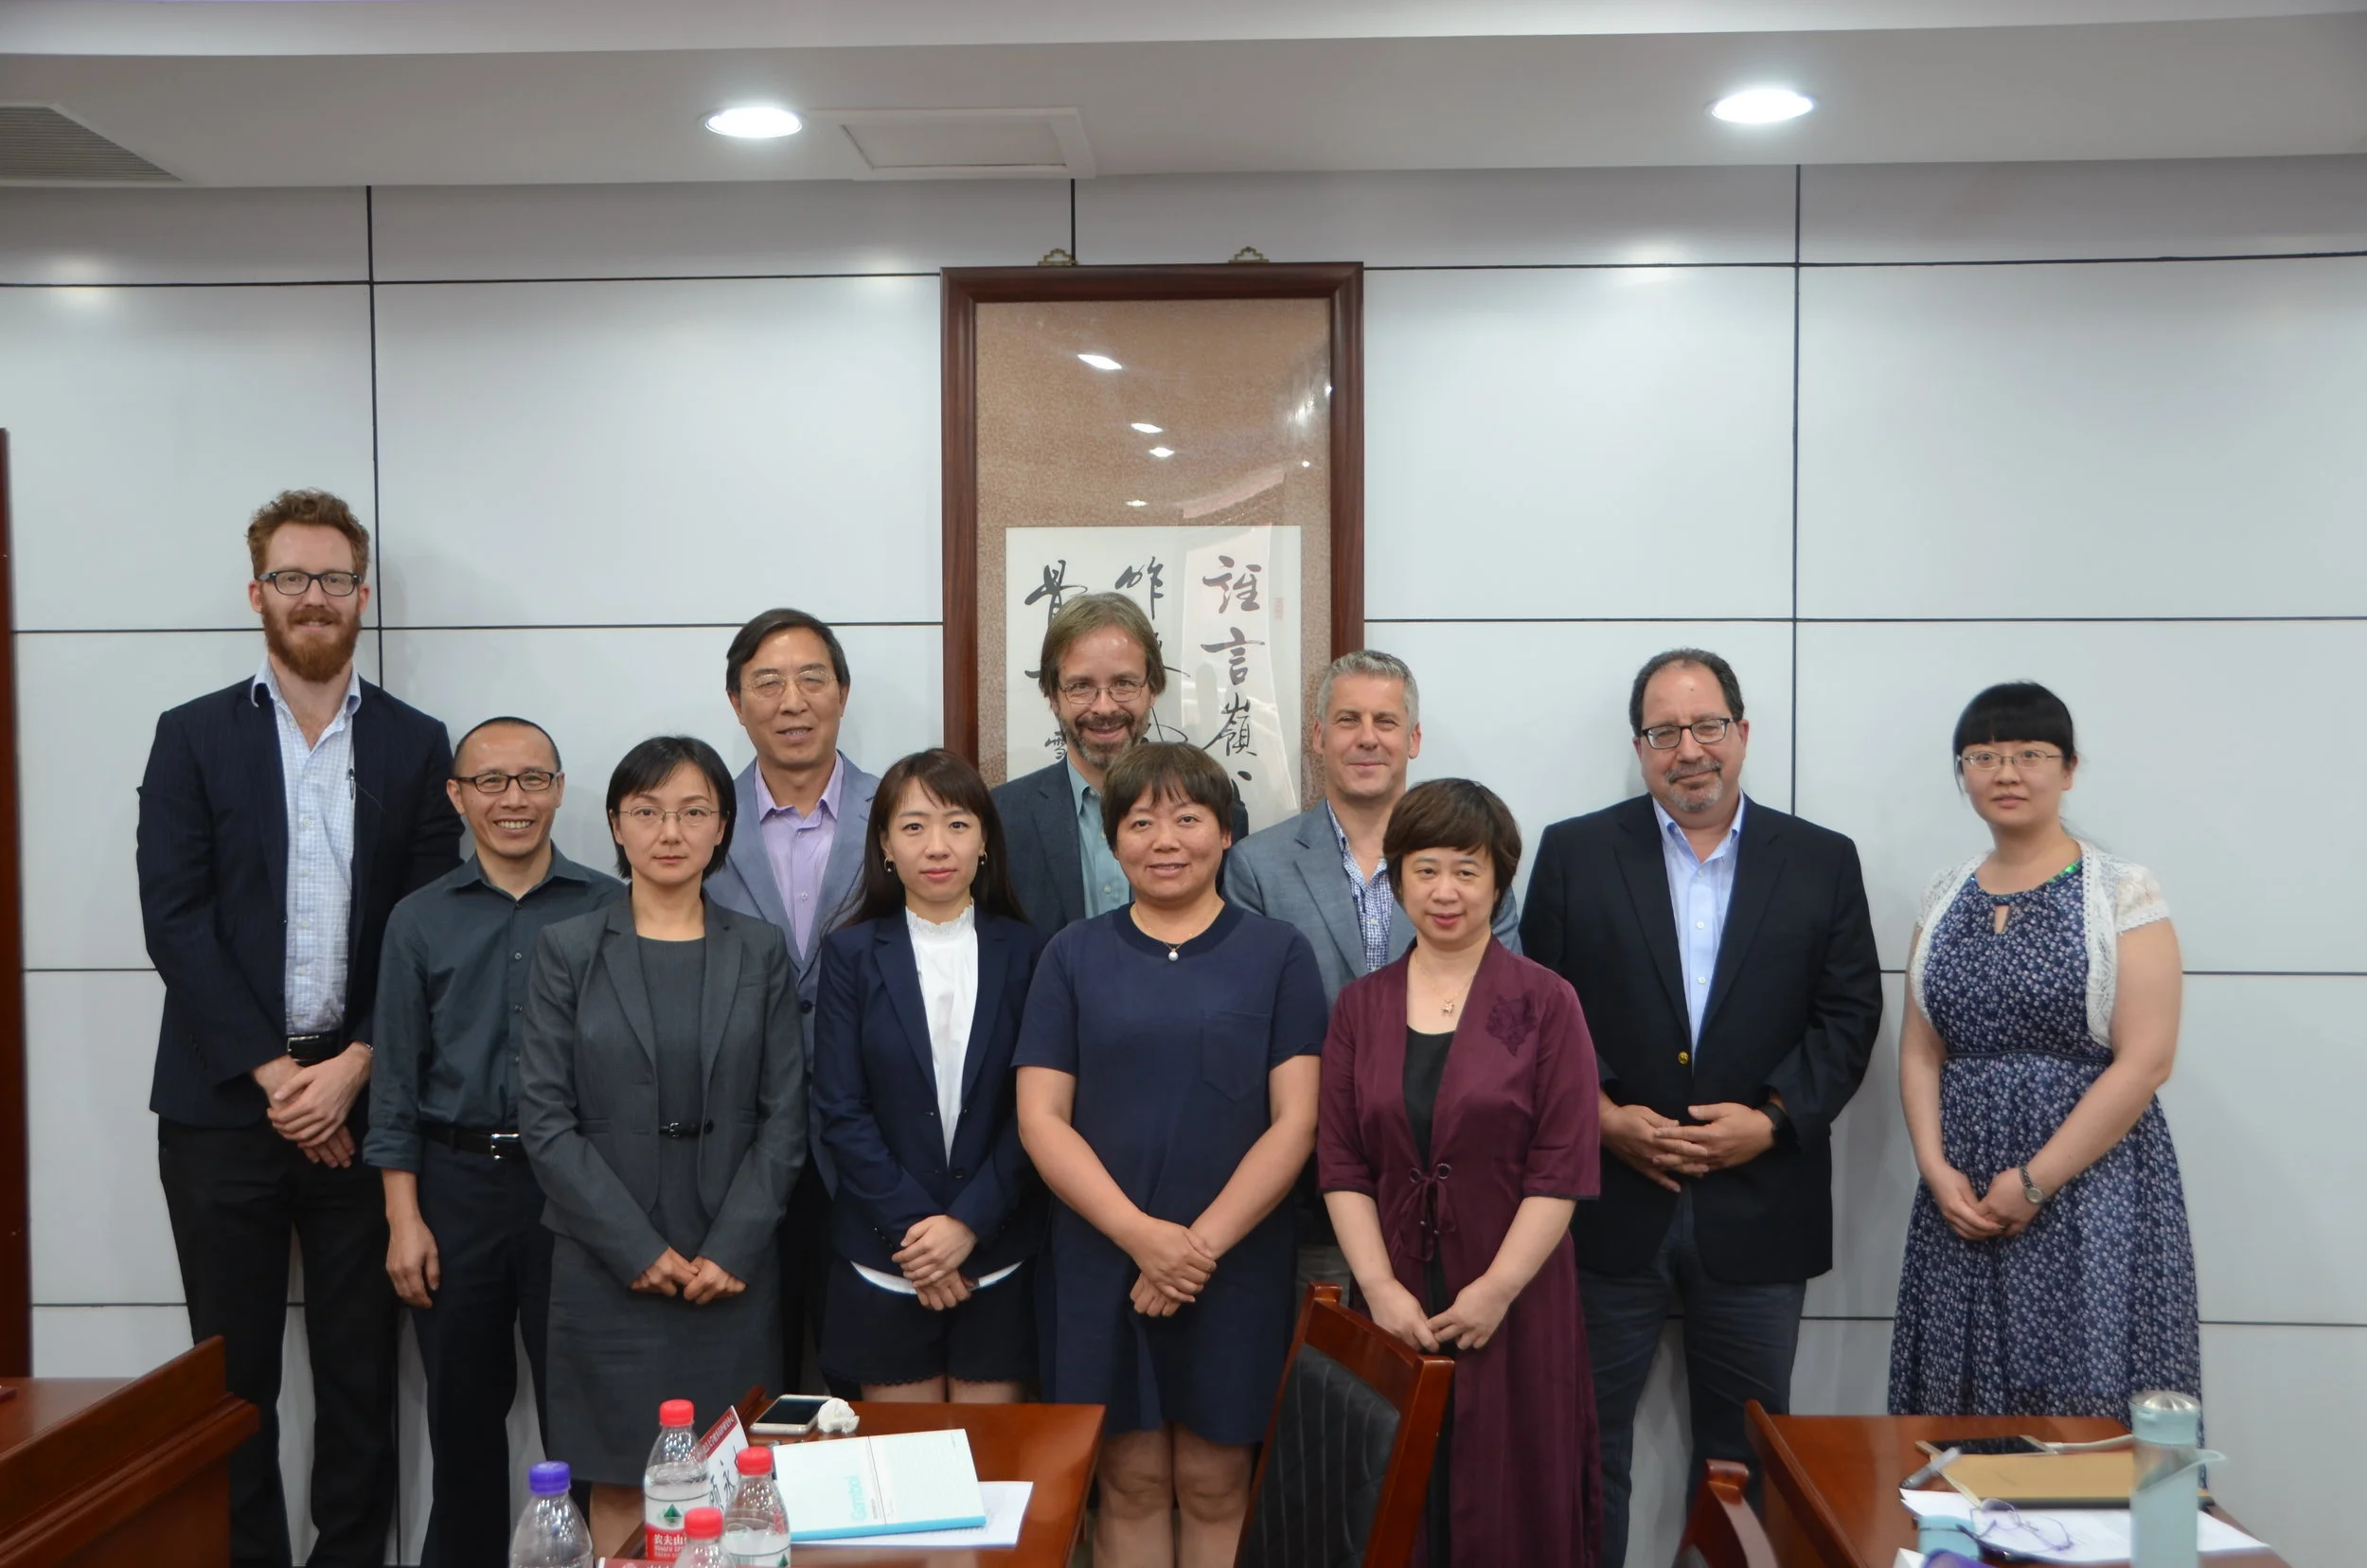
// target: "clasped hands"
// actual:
[[932, 1255], [1175, 1261], [1665, 1149], [2003, 1211], [697, 1282], [309, 1105]]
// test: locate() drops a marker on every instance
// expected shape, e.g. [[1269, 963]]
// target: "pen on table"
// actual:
[[1933, 1470]]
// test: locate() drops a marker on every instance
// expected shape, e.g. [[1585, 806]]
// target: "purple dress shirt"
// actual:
[[798, 845]]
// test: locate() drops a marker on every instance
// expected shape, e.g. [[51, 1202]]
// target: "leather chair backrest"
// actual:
[[1324, 1470]]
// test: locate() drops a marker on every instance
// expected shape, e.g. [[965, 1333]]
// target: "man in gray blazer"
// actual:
[[805, 810], [1323, 872]]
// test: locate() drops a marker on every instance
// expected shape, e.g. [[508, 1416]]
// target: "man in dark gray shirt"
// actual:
[[467, 1249]]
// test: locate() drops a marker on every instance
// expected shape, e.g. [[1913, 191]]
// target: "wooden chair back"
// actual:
[[1318, 1526], [1722, 1532]]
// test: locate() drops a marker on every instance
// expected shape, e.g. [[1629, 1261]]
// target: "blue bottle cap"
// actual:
[[549, 1478]]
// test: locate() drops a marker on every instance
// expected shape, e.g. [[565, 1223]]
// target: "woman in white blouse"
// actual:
[[937, 1212]]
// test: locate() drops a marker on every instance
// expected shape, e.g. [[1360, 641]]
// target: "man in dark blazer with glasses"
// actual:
[[280, 823], [1724, 958]]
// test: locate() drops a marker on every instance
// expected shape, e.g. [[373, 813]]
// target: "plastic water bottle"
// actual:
[[755, 1526], [673, 1482], [703, 1546], [550, 1534]]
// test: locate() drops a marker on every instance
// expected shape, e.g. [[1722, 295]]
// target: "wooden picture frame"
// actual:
[[985, 678]]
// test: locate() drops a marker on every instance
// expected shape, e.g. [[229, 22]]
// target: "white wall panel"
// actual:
[[570, 453], [1592, 444], [195, 236], [99, 1229], [599, 691], [2084, 440], [2153, 703], [1842, 1367], [2251, 1050], [722, 228], [1537, 712], [2283, 1405], [146, 425], [1528, 217], [106, 1342], [86, 718], [2029, 211]]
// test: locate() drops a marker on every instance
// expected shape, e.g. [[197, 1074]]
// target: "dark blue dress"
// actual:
[[2095, 1300], [1171, 1049]]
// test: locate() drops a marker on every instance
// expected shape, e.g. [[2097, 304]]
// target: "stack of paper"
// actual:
[[2095, 1535], [878, 1485]]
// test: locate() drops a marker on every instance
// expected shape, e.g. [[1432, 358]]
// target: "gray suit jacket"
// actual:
[[1291, 871], [1047, 869], [587, 1089], [745, 883]]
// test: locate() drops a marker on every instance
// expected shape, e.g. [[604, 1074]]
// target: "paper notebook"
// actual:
[[878, 1485], [2052, 1480]]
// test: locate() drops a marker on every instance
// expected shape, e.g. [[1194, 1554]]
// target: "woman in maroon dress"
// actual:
[[1458, 1131]]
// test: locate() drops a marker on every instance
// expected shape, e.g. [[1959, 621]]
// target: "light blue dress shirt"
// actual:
[[1105, 887], [317, 780], [1375, 906], [1699, 892]]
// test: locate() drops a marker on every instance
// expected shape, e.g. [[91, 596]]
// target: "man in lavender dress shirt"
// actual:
[[808, 806]]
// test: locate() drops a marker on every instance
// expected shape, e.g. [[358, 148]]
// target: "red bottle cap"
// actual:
[[704, 1523], [676, 1413], [755, 1459]]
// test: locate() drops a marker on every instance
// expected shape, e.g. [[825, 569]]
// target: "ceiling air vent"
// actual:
[[40, 145], [963, 143]]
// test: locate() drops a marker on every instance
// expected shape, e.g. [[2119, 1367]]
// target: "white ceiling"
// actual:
[[443, 92]]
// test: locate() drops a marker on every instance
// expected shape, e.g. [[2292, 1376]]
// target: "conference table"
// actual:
[[1052, 1445], [1831, 1482]]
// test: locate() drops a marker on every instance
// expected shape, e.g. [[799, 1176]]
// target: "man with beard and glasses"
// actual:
[[1726, 963], [280, 821], [1101, 671]]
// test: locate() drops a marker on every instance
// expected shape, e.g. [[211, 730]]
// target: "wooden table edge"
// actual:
[[1781, 1468]]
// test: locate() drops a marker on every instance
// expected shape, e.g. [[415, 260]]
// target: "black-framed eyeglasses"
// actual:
[[1081, 692], [293, 582], [533, 781], [1990, 761], [1707, 732]]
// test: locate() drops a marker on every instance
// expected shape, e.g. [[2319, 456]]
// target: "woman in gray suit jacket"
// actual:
[[660, 1095]]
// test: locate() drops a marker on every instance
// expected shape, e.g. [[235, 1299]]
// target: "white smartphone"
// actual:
[[790, 1415]]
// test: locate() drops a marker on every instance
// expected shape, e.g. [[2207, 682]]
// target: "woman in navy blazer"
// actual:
[[938, 1211]]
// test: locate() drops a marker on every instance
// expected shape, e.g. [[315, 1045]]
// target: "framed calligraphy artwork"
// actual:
[[1191, 437]]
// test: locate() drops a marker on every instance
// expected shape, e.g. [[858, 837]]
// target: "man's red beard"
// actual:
[[312, 659]]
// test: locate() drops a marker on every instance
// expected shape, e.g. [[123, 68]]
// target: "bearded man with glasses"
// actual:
[[280, 821], [1725, 959], [1102, 671], [467, 1249]]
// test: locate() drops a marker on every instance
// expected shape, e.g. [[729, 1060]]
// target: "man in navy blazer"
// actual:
[[796, 861], [1101, 669], [280, 823]]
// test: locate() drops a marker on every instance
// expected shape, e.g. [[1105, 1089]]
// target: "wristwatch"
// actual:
[[1786, 1136], [2032, 1190]]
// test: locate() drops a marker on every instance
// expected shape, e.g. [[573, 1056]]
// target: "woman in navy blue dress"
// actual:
[[936, 1215], [1168, 1069], [2049, 1268]]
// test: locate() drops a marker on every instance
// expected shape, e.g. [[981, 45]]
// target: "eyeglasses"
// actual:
[[533, 781], [1994, 1518], [1990, 761], [691, 817], [293, 582], [772, 684], [1080, 692], [1708, 732]]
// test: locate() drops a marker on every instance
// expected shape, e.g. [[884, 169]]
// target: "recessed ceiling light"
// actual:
[[1138, 503], [1101, 362], [1307, 462], [1147, 429], [755, 121], [1761, 106], [1163, 451]]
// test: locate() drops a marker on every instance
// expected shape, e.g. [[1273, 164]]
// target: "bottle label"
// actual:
[[661, 1526]]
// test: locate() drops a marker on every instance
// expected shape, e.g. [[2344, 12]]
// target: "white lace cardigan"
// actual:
[[2120, 896]]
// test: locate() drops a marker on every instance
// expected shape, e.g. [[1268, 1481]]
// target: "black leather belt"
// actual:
[[683, 1130], [475, 1140], [310, 1050]]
